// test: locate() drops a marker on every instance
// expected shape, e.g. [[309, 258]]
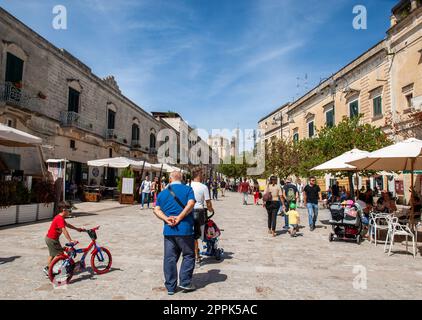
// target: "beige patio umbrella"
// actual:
[[340, 163], [402, 156]]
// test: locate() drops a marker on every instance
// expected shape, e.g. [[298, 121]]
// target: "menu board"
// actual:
[[127, 185]]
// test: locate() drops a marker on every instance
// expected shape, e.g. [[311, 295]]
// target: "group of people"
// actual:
[[182, 207], [283, 199]]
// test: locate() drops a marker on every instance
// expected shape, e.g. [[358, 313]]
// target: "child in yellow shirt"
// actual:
[[294, 220]]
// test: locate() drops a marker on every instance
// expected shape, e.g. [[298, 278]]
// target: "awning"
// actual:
[[340, 163], [12, 137], [120, 163]]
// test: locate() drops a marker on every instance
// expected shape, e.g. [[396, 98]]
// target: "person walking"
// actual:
[[174, 207], [155, 185], [290, 195], [145, 192], [256, 193], [203, 203], [300, 188], [223, 186], [312, 193], [244, 189], [214, 187], [272, 198]]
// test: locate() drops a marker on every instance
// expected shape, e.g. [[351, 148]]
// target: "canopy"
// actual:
[[167, 168], [119, 162], [340, 163], [406, 155], [12, 137]]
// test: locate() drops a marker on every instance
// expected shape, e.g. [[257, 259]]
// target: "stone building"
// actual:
[[384, 84], [48, 92], [191, 149]]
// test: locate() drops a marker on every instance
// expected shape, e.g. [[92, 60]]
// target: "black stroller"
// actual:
[[346, 221]]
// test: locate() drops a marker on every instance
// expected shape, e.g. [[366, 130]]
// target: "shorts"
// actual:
[[200, 219], [54, 247], [294, 226]]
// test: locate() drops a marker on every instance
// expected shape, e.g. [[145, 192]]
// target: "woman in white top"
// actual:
[[202, 204]]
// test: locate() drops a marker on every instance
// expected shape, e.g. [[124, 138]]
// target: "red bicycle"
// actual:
[[64, 266]]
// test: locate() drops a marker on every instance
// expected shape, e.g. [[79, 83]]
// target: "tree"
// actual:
[[286, 158], [232, 169], [281, 159]]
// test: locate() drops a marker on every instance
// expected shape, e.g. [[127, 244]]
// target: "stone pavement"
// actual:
[[256, 265]]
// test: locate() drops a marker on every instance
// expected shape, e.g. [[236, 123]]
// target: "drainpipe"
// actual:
[[392, 93]]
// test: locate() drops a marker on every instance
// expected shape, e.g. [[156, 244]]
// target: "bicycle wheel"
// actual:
[[61, 270], [101, 262]]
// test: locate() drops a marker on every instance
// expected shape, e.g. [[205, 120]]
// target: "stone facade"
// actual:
[[384, 84], [40, 103]]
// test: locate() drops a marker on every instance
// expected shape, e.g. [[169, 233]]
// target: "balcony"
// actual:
[[114, 135], [136, 144], [13, 95], [73, 119]]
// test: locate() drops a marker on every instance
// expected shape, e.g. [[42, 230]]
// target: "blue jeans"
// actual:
[[145, 195], [174, 246], [312, 213], [245, 198]]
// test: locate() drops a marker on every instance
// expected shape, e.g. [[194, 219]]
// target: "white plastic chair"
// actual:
[[397, 229], [377, 223]]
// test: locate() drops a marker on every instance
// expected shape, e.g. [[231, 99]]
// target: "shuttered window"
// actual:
[[14, 68], [73, 102]]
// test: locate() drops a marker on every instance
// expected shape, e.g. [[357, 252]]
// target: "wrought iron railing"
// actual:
[[136, 144], [14, 95], [74, 119], [114, 135]]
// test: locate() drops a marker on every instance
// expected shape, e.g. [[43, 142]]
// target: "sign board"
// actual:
[[399, 186], [127, 185]]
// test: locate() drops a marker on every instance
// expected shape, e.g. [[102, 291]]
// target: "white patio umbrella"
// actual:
[[402, 156], [340, 164], [12, 137], [165, 167], [119, 163]]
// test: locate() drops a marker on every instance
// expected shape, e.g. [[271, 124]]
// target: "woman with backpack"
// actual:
[[272, 200], [290, 195]]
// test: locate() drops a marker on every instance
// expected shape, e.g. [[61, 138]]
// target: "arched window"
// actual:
[[152, 140], [135, 134]]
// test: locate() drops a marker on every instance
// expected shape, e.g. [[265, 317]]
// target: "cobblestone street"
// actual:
[[256, 266]]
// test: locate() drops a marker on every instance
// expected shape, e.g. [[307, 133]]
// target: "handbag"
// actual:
[[267, 196]]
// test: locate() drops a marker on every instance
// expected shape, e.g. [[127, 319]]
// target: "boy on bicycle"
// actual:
[[57, 227]]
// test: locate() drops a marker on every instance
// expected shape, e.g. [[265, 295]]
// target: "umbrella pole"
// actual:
[[412, 208], [159, 180], [352, 191]]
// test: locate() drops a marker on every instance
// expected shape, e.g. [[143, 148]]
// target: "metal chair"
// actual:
[[397, 229], [377, 222]]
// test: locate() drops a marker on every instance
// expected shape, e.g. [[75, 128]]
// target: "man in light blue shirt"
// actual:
[[174, 206]]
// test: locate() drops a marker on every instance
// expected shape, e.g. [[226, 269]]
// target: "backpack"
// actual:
[[211, 230], [291, 194]]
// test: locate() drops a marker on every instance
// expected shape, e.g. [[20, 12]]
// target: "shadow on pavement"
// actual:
[[9, 259], [90, 275], [82, 214], [201, 280], [211, 260]]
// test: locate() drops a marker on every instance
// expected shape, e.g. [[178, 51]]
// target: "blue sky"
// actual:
[[219, 63]]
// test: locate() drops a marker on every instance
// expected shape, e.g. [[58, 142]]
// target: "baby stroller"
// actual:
[[346, 221], [210, 240]]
